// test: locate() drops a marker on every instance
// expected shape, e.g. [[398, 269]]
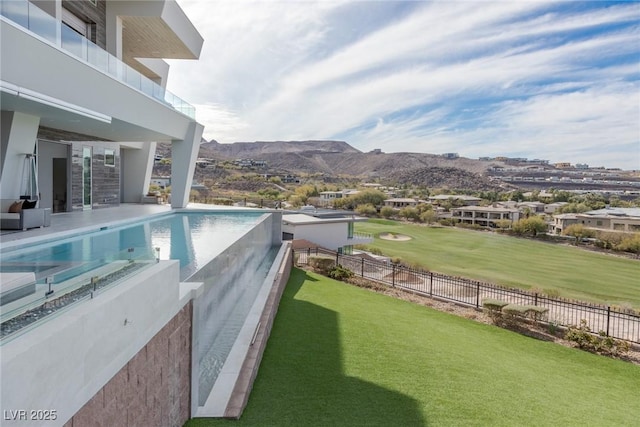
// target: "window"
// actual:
[[75, 23], [109, 157]]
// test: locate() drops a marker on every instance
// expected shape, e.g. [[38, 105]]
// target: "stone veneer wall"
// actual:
[[153, 389]]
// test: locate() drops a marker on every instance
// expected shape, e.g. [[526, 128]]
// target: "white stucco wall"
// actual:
[[62, 363], [328, 235]]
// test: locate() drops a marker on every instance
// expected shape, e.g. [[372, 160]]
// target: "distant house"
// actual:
[[467, 200], [537, 207], [550, 208], [562, 165], [608, 219], [331, 230], [485, 216], [399, 203], [327, 197], [450, 155]]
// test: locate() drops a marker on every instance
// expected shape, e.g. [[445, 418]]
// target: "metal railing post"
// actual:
[[393, 275], [430, 283], [362, 268], [608, 318]]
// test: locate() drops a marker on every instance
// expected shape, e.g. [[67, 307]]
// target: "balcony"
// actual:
[[46, 27]]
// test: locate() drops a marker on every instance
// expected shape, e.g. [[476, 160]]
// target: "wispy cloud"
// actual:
[[559, 81]]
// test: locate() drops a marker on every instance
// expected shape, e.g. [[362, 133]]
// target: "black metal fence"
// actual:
[[562, 312]]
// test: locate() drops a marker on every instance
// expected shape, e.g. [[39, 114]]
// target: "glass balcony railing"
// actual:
[[31, 17]]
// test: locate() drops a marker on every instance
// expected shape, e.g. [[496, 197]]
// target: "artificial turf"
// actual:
[[510, 261], [343, 356]]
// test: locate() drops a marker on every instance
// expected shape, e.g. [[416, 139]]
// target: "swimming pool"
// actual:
[[192, 238]]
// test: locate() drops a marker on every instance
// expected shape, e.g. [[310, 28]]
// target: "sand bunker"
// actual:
[[394, 236]]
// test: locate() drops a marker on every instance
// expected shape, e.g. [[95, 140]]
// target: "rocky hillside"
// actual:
[[338, 159], [253, 150]]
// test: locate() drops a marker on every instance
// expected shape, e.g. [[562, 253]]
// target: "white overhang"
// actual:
[[156, 29]]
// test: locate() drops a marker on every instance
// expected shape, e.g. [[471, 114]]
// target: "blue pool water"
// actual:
[[192, 238]]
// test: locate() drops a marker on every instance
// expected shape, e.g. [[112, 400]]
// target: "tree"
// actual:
[[387, 212], [579, 231], [609, 239], [428, 217], [306, 191], [630, 244], [296, 201], [366, 210], [530, 226], [410, 213]]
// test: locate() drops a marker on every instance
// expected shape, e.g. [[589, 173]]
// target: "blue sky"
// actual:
[[550, 80]]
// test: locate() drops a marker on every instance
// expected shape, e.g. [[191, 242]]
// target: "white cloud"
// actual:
[[552, 80]]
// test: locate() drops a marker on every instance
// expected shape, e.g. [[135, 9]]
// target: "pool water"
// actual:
[[192, 238]]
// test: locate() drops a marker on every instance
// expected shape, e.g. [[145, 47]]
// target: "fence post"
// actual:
[[337, 258], [477, 294], [535, 299], [362, 268], [608, 318], [393, 275], [430, 284]]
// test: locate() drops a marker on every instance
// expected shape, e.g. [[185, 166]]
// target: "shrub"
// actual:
[[600, 343], [469, 226], [340, 273], [321, 264], [493, 308], [387, 212], [532, 312], [366, 210]]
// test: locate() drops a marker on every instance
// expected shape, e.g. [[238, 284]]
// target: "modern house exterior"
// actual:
[[331, 230], [399, 203], [485, 216], [82, 87], [83, 98], [609, 219], [327, 197]]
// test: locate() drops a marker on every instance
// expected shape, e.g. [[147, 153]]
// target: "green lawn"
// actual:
[[511, 261], [343, 356]]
